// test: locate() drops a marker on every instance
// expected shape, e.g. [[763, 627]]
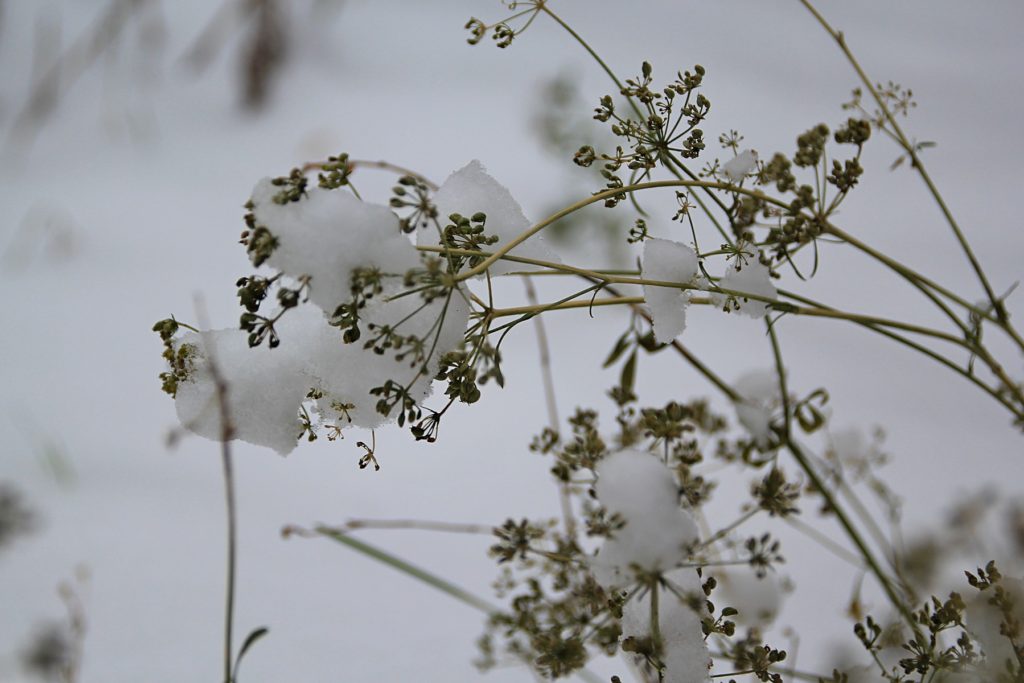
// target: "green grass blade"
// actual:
[[426, 577], [406, 568]]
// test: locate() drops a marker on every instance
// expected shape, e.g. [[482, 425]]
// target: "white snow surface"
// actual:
[[470, 190], [668, 261], [748, 276], [347, 372], [268, 386], [686, 655], [741, 165], [327, 235], [656, 538], [658, 532], [759, 390], [758, 599], [265, 388]]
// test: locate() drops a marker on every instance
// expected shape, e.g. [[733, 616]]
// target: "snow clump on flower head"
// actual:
[[740, 166], [669, 262], [327, 235], [746, 275], [265, 388], [471, 189], [352, 261], [658, 535], [759, 400], [680, 609]]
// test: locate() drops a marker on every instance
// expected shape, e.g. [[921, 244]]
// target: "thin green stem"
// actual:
[[532, 311], [655, 617], [567, 305], [671, 163], [920, 281], [969, 376], [686, 354], [826, 542], [787, 671], [229, 607], [407, 568], [597, 58], [601, 196], [703, 369], [833, 505], [908, 147], [787, 308], [726, 530], [425, 525], [551, 402], [897, 602], [226, 434], [819, 310]]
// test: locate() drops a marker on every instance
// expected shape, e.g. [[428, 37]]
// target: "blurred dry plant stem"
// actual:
[[54, 74], [262, 53], [264, 47]]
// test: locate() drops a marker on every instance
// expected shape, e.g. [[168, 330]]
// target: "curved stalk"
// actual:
[[808, 468], [601, 196], [672, 161], [915, 160]]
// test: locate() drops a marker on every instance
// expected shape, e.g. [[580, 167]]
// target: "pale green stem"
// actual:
[[908, 147], [419, 574], [826, 542], [969, 376], [873, 324], [726, 530], [551, 402], [601, 196], [640, 115], [425, 525], [655, 617], [830, 500], [920, 281], [786, 308], [229, 607], [407, 568]]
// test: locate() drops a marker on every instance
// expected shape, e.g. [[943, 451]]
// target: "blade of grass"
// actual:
[[423, 575], [407, 568]]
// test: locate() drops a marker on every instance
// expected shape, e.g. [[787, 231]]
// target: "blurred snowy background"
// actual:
[[132, 132]]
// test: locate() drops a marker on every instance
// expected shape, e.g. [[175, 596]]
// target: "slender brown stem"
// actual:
[[452, 527], [908, 147], [551, 402], [726, 530], [227, 432], [601, 196], [833, 505], [229, 607], [826, 542]]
